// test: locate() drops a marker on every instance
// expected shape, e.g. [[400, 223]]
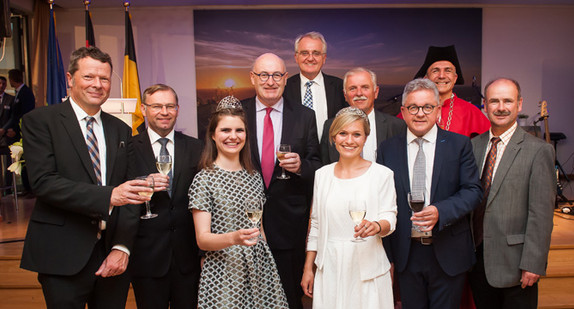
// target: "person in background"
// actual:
[[350, 274], [8, 133], [239, 270]]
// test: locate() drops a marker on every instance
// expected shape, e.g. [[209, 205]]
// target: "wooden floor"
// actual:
[[20, 289]]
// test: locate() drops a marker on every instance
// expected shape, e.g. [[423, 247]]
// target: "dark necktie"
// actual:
[[485, 180], [93, 149], [164, 152], [267, 149], [308, 99]]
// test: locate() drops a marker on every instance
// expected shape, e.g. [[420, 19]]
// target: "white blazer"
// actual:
[[380, 195]]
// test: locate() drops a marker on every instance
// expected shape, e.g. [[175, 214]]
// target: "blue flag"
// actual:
[[56, 76]]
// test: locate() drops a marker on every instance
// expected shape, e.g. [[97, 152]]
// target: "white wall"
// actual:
[[535, 46], [164, 49]]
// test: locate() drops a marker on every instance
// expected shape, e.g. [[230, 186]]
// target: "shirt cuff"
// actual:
[[122, 248]]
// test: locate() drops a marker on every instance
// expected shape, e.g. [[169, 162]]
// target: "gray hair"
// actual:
[[421, 84], [312, 35], [359, 70]]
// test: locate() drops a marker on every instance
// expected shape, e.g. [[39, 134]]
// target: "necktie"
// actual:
[[419, 170], [93, 149], [163, 152], [267, 151], [308, 99], [485, 180]]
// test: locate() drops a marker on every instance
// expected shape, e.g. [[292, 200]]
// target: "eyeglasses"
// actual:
[[159, 107], [414, 109], [264, 76], [314, 53]]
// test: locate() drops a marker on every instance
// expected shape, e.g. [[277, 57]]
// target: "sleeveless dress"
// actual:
[[237, 276]]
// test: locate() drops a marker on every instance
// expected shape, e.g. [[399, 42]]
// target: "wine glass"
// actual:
[[416, 203], [283, 149], [254, 211], [150, 183], [163, 165], [357, 211]]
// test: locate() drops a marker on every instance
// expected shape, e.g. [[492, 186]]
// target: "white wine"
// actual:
[[254, 215], [357, 215], [163, 167], [145, 193], [281, 155]]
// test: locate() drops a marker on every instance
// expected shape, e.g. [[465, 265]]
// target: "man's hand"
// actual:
[[127, 193], [160, 182], [291, 163], [528, 278], [115, 264], [426, 218]]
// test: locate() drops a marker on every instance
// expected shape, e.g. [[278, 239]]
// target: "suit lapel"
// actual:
[[381, 127], [506, 161], [439, 154], [180, 149], [70, 123], [252, 129], [330, 90], [112, 144], [404, 163], [296, 88]]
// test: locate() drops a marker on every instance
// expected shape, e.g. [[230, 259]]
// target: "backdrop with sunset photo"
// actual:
[[390, 41]]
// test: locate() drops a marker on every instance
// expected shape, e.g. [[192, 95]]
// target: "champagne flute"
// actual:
[[357, 211], [254, 211], [150, 183], [416, 203], [163, 165], [283, 149]]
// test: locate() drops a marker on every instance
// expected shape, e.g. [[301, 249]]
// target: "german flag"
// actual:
[[131, 84], [90, 38]]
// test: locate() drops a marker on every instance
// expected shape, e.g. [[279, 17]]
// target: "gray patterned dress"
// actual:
[[237, 276]]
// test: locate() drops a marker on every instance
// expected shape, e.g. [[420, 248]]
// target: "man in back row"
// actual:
[[318, 91]]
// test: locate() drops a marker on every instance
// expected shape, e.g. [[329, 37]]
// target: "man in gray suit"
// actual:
[[513, 224], [361, 90]]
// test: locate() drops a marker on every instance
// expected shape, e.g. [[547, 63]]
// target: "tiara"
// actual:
[[229, 102], [352, 111]]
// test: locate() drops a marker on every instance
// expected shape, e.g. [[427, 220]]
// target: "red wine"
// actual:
[[417, 206]]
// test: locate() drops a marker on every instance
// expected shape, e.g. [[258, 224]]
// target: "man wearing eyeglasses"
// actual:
[[165, 261], [312, 88], [272, 121], [361, 90], [431, 249]]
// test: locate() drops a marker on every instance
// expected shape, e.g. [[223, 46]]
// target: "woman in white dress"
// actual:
[[340, 273]]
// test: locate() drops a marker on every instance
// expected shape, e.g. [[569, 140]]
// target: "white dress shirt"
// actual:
[[156, 146], [277, 120], [370, 148], [319, 99]]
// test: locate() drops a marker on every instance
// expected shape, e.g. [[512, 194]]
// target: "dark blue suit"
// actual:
[[455, 192]]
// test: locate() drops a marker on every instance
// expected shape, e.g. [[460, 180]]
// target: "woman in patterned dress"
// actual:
[[239, 270]]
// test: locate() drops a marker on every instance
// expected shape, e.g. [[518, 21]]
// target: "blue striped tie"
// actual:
[[308, 99], [93, 149]]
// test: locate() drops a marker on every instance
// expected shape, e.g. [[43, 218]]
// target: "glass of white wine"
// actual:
[[150, 182], [357, 211], [282, 150], [163, 164], [254, 211]]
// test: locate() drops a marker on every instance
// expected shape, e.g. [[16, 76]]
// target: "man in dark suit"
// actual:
[[78, 240], [165, 259], [318, 91], [273, 121], [25, 100], [7, 133], [513, 224], [431, 249], [361, 90]]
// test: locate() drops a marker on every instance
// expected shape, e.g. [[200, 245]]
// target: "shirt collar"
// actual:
[[506, 136], [153, 136], [318, 79], [430, 137], [261, 107], [81, 114]]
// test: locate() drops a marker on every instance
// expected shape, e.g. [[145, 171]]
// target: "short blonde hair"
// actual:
[[345, 117]]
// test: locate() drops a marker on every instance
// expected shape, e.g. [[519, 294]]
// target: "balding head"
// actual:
[[269, 77]]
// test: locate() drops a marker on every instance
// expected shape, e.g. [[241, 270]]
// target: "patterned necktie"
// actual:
[[163, 152], [419, 169], [93, 149], [485, 180], [308, 99], [267, 151]]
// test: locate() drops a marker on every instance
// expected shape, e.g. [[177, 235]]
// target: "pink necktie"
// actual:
[[267, 154]]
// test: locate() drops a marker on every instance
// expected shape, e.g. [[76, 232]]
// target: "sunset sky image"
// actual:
[[390, 41]]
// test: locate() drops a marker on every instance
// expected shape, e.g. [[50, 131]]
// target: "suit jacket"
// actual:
[[24, 102], [519, 209], [455, 191], [64, 224], [172, 232], [333, 92], [387, 127], [286, 212], [6, 122]]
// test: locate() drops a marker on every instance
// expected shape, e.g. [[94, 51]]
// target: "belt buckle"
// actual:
[[424, 240]]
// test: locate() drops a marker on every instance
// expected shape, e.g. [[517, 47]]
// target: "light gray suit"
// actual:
[[519, 209]]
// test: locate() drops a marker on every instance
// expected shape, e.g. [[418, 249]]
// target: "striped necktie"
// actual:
[[93, 150]]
